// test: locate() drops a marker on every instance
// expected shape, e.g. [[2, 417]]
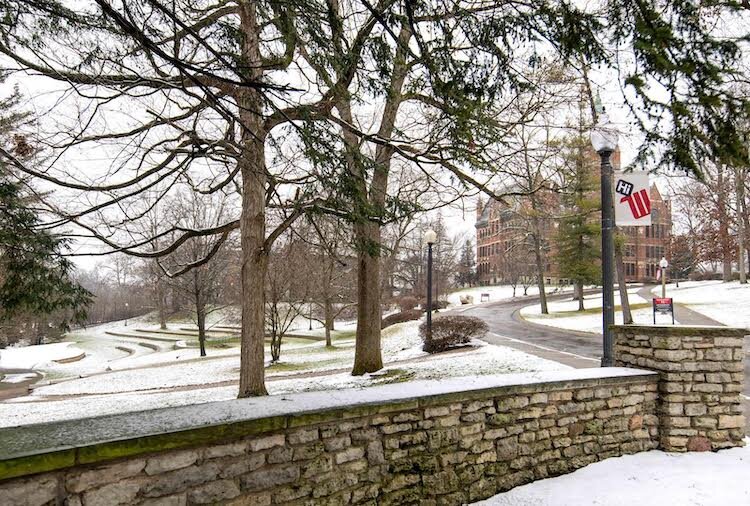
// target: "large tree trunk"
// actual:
[[253, 218], [578, 294], [367, 357], [254, 266]]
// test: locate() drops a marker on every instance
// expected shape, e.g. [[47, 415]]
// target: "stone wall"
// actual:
[[448, 448], [701, 373]]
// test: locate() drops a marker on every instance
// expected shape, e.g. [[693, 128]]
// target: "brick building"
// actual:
[[502, 228]]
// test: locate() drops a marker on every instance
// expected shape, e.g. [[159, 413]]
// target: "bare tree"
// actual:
[[330, 266], [287, 287], [202, 286]]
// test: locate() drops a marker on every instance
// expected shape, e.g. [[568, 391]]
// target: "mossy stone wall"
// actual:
[[446, 449]]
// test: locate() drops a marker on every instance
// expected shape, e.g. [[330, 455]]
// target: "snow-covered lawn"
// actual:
[[114, 346], [213, 379], [499, 292], [728, 303], [647, 479], [564, 314], [37, 357]]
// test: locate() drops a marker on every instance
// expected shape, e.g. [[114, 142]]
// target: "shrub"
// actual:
[[436, 304], [408, 302], [403, 316], [449, 331]]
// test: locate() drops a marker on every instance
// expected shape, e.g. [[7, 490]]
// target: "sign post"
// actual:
[[663, 305]]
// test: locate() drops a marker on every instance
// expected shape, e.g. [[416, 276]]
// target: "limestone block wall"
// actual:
[[701, 376], [471, 440]]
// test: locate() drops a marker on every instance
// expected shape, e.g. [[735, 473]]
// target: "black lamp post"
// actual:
[[429, 237], [604, 140], [309, 307]]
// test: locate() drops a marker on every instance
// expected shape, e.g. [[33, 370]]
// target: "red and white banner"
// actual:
[[632, 199]]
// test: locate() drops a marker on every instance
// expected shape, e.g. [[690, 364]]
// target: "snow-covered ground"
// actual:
[[564, 314], [499, 292], [305, 367], [114, 346], [728, 303], [37, 357], [647, 479]]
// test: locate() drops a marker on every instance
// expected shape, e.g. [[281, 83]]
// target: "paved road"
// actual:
[[507, 328], [576, 349]]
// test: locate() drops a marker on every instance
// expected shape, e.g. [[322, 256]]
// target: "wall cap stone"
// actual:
[[37, 448], [682, 330]]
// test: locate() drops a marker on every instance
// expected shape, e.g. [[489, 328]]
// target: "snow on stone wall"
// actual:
[[444, 448]]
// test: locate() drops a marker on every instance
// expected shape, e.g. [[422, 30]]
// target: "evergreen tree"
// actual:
[[579, 233], [467, 272], [35, 277]]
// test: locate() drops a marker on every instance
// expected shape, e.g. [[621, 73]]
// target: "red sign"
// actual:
[[663, 305], [639, 202]]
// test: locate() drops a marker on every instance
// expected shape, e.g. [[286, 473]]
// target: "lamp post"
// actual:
[[127, 313], [430, 237], [663, 264], [604, 140]]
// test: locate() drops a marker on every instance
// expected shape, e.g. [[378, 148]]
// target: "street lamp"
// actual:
[[663, 264], [604, 140], [430, 237], [309, 307], [127, 313]]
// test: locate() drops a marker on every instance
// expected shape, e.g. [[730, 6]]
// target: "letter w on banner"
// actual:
[[632, 199]]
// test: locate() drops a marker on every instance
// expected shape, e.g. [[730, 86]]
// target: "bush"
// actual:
[[450, 331], [436, 304], [403, 316], [408, 302]]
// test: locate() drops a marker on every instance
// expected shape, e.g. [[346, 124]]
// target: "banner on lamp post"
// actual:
[[632, 199]]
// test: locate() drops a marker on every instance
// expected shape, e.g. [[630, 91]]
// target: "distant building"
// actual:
[[645, 246], [502, 230]]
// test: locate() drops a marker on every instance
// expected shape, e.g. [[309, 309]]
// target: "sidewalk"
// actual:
[[682, 314]]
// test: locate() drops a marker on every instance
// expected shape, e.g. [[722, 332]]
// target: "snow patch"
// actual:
[[652, 478], [37, 356], [726, 303]]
